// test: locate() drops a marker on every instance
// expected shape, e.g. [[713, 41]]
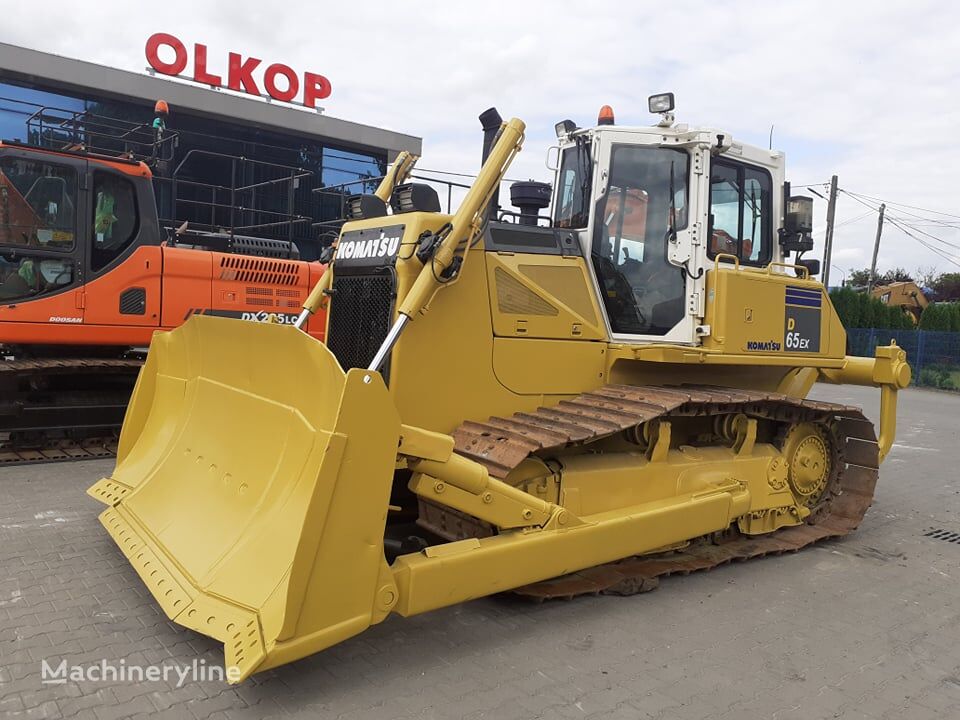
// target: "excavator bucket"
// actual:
[[252, 487]]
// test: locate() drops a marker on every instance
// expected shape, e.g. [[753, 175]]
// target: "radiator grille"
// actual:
[[566, 284], [259, 270], [360, 315], [515, 298]]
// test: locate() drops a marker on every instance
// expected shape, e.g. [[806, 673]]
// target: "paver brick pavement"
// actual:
[[865, 627]]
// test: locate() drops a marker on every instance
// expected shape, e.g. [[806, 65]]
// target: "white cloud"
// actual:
[[865, 90]]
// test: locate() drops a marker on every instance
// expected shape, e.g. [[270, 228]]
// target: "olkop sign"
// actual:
[[242, 74]]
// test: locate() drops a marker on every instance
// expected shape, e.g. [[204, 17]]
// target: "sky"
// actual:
[[864, 90]]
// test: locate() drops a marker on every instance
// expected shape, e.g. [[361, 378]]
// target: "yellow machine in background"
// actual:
[[579, 403], [905, 295]]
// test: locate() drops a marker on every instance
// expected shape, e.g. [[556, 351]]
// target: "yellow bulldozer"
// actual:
[[575, 403]]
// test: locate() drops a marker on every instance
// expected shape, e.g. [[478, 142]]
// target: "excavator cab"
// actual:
[[56, 228], [570, 404]]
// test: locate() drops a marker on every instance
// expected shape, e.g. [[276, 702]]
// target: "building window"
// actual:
[[740, 212], [115, 218]]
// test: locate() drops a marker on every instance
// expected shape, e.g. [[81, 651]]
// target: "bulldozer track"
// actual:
[[79, 420], [501, 444]]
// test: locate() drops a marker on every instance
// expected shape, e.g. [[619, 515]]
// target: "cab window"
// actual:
[[645, 204], [38, 202], [574, 179], [741, 212], [115, 218]]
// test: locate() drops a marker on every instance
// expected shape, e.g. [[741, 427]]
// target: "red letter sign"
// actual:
[[179, 62], [241, 74], [315, 87], [270, 82], [200, 73]]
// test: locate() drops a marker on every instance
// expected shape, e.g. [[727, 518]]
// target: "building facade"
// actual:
[[225, 162]]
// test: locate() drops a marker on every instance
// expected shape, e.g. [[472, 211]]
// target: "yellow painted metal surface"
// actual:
[[247, 492], [542, 296], [745, 312], [254, 476]]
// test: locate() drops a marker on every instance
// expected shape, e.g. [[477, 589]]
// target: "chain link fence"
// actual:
[[934, 356]]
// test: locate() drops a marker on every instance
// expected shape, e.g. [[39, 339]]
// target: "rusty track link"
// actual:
[[502, 443]]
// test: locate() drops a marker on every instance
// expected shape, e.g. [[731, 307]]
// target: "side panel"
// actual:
[[758, 312], [129, 293], [542, 296], [187, 276], [235, 286], [253, 288], [549, 367]]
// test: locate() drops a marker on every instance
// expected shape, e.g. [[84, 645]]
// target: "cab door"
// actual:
[[123, 255]]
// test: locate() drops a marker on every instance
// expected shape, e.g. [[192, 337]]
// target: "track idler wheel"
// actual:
[[810, 454]]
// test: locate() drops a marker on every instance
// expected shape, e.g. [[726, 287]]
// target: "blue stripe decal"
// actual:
[[793, 293], [805, 302], [803, 291]]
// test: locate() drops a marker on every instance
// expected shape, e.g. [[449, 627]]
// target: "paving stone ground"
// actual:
[[865, 627]]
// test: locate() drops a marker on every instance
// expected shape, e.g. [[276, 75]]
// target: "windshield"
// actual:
[[645, 203], [574, 179]]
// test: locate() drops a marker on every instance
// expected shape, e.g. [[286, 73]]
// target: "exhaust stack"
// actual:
[[491, 122]]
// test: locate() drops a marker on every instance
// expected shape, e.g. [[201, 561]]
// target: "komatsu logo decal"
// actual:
[[763, 345], [373, 248], [381, 248]]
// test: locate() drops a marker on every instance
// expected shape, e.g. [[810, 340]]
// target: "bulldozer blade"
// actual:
[[251, 490]]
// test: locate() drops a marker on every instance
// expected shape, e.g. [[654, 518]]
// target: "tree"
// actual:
[[858, 278], [845, 303], [926, 275], [947, 286], [861, 278], [894, 275]]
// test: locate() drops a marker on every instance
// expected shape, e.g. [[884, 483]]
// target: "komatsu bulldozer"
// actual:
[[558, 405]]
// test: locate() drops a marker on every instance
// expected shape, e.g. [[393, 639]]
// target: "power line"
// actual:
[[897, 223], [932, 221], [912, 207], [932, 237], [923, 242], [903, 222]]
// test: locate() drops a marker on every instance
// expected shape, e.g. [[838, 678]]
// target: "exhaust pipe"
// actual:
[[491, 122]]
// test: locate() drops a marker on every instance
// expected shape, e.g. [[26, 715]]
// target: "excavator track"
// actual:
[[501, 444], [57, 409]]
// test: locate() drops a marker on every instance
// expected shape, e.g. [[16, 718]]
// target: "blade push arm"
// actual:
[[399, 171], [464, 225]]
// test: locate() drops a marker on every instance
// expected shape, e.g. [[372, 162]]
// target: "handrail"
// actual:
[[806, 270], [716, 260]]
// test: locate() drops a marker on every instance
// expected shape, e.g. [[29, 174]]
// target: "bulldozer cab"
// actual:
[[653, 208]]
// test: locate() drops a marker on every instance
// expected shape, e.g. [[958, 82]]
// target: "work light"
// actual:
[[660, 103]]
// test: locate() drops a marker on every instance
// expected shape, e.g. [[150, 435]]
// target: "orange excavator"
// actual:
[[87, 275]]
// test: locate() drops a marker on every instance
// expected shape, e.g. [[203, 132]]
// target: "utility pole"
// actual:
[[876, 249], [828, 236]]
